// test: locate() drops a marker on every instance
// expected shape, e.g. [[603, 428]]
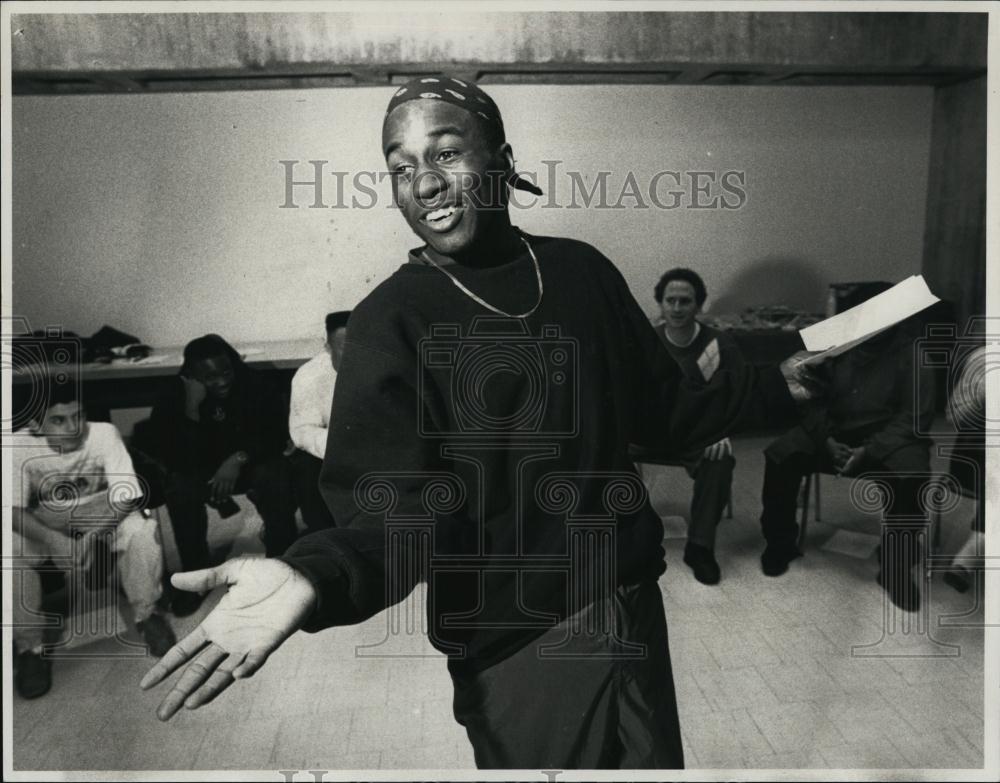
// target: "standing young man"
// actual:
[[432, 426], [699, 351], [309, 420]]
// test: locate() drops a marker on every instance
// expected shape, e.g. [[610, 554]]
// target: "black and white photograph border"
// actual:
[[173, 169]]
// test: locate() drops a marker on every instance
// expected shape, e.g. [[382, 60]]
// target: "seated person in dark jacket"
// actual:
[[680, 294], [868, 423], [219, 431]]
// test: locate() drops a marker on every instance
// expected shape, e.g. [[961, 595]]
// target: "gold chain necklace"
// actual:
[[480, 301]]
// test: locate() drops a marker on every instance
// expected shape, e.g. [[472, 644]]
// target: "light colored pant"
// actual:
[[139, 555]]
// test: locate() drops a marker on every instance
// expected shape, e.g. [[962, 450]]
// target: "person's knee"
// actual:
[[184, 487], [137, 531], [715, 472], [271, 479]]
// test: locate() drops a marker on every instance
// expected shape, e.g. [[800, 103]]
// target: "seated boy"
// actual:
[[220, 430], [71, 477], [681, 294], [309, 421]]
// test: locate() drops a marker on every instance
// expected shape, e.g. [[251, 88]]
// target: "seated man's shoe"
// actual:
[[184, 603], [958, 578], [157, 634], [34, 675], [902, 590], [702, 562], [775, 559]]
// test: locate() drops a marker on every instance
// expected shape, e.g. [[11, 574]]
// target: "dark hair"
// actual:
[[210, 346], [337, 320], [687, 276], [32, 400]]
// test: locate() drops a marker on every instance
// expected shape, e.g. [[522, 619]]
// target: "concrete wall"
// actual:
[[160, 214]]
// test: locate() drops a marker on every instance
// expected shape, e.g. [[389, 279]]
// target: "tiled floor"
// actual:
[[764, 672]]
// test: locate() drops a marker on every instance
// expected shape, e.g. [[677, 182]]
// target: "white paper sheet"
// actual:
[[852, 327]]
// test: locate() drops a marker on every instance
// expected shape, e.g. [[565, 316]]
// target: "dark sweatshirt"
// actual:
[[687, 355], [512, 426], [253, 418]]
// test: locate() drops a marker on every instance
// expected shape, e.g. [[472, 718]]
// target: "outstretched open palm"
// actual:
[[267, 602]]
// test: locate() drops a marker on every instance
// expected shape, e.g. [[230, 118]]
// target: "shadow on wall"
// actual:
[[774, 281]]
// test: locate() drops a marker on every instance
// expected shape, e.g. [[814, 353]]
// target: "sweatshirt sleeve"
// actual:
[[678, 416], [915, 412], [373, 429]]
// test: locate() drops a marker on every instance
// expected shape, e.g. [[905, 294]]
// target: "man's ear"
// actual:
[[505, 158], [34, 426]]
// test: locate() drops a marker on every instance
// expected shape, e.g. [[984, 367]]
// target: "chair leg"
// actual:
[[804, 523], [816, 479], [937, 518]]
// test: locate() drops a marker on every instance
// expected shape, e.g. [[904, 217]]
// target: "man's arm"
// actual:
[[124, 493], [373, 429], [305, 421], [915, 400]]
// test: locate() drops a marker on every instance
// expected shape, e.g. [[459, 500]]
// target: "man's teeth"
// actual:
[[441, 214]]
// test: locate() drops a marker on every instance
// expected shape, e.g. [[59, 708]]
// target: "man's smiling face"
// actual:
[[440, 159]]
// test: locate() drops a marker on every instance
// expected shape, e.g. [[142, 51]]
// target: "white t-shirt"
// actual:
[[309, 409], [56, 481]]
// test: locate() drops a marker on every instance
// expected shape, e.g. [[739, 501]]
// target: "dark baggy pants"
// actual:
[[782, 481], [713, 483], [598, 706], [305, 476], [267, 484]]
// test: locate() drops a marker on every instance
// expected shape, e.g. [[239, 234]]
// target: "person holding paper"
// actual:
[[699, 351], [878, 401]]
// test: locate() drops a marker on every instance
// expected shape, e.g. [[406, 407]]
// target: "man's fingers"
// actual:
[[184, 650], [217, 682], [200, 581], [194, 675], [250, 666]]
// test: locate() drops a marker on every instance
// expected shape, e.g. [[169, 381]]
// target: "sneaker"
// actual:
[[902, 591], [702, 562], [184, 603], [34, 675], [157, 635], [775, 559]]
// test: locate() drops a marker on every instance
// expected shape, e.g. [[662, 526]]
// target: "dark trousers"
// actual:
[[267, 484], [713, 482], [902, 508], [305, 475], [597, 706]]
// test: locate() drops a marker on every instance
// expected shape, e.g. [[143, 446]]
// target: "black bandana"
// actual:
[[466, 96]]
